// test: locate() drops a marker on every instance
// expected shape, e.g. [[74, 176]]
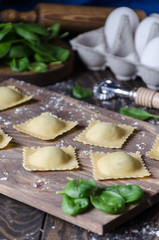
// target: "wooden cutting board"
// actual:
[[38, 189]]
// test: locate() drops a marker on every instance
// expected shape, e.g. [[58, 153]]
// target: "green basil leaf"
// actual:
[[55, 62], [74, 206], [11, 36], [59, 53], [137, 113], [54, 31], [19, 51], [108, 201], [38, 67], [80, 92], [130, 193], [80, 188], [4, 48], [21, 31], [41, 50], [19, 65], [63, 35], [3, 25], [36, 28], [5, 30], [40, 58]]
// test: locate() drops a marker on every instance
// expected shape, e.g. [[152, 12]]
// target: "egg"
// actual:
[[142, 33], [150, 55], [113, 21]]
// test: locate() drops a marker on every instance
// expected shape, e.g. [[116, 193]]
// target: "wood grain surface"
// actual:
[[142, 227], [38, 189], [72, 18], [17, 221]]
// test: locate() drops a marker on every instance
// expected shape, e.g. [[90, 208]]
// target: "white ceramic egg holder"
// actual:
[[122, 58]]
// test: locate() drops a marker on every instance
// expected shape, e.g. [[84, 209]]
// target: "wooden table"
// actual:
[[19, 221]]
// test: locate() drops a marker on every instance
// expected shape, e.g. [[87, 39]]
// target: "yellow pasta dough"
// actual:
[[154, 152], [118, 165], [45, 126], [105, 134], [10, 96], [4, 139], [49, 158]]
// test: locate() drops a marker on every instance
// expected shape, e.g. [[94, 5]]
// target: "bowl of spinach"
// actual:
[[31, 51]]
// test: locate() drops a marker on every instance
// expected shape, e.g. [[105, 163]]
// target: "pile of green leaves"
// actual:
[[25, 46], [80, 195]]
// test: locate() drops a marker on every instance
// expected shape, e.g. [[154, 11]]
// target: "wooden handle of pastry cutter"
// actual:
[[72, 18], [148, 98]]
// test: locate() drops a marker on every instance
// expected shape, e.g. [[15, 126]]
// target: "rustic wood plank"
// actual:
[[38, 189], [19, 221], [144, 226]]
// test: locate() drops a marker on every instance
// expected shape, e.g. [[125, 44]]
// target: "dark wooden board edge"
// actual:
[[100, 230]]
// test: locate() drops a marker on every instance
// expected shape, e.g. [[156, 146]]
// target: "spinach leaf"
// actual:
[[54, 31], [74, 206], [130, 193], [19, 51], [55, 62], [108, 201], [5, 30], [38, 67], [36, 28], [80, 188], [23, 32], [41, 50], [4, 48], [80, 92], [137, 113], [63, 35], [19, 65], [59, 53], [40, 58], [10, 36]]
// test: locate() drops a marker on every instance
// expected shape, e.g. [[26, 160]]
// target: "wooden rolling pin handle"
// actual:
[[148, 98], [11, 15], [72, 18]]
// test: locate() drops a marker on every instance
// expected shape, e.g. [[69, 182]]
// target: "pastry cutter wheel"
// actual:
[[109, 88]]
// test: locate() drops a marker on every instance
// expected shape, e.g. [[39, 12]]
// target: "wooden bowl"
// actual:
[[54, 74]]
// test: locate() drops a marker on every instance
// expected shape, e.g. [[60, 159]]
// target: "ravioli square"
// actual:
[[105, 134], [4, 139], [45, 126], [118, 165], [154, 152], [11, 96], [49, 158]]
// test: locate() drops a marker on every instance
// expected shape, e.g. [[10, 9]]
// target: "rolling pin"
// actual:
[[76, 19]]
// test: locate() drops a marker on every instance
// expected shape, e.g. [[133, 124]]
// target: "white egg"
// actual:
[[150, 55], [113, 21], [142, 33]]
